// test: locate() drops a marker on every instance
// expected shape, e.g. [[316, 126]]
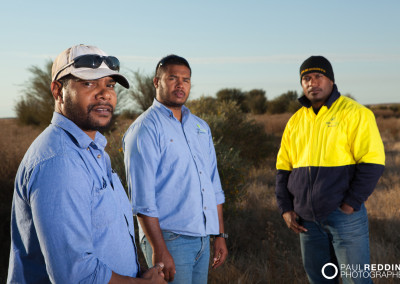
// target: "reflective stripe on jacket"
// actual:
[[326, 159]]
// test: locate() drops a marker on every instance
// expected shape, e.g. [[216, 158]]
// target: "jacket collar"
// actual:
[[332, 98]]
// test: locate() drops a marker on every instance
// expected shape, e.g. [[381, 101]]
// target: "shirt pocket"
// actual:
[[172, 153], [104, 207]]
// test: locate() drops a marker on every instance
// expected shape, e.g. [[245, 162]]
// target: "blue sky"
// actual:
[[229, 44]]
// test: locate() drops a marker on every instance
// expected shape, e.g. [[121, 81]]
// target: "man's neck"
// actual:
[[176, 110]]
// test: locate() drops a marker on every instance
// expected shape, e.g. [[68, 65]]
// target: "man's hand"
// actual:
[[290, 219], [168, 264], [155, 274], [220, 252], [152, 230], [152, 276], [346, 208]]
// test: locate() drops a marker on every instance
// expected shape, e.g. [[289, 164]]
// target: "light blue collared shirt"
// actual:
[[172, 171], [71, 219]]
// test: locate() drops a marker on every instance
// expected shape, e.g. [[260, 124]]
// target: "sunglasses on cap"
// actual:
[[92, 61]]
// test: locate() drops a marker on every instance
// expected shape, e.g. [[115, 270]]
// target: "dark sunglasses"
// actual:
[[92, 61]]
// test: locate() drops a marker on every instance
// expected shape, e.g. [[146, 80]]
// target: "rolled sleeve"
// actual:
[[142, 156]]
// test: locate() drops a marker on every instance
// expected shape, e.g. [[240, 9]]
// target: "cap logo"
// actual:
[[313, 69]]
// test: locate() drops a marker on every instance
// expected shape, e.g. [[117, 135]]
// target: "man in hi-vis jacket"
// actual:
[[331, 158]]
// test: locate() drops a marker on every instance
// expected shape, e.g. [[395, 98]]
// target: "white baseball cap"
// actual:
[[87, 63]]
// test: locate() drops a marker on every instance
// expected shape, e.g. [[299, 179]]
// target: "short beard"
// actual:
[[167, 102], [172, 104], [83, 119]]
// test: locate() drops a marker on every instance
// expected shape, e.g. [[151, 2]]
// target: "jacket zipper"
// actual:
[[310, 188]]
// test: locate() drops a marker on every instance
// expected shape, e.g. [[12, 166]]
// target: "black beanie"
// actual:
[[317, 64]]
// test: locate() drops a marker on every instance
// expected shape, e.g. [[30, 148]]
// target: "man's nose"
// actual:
[[179, 83], [312, 82], [104, 94]]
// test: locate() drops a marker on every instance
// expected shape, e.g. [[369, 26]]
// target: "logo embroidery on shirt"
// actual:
[[332, 122], [200, 130]]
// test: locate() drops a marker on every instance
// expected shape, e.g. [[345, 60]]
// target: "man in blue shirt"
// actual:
[[173, 180], [71, 219]]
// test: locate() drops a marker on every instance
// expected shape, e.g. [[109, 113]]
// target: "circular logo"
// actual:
[[334, 267]]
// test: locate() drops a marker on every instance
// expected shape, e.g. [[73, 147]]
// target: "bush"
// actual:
[[239, 142], [233, 95], [37, 104], [232, 172], [230, 125], [25, 112], [142, 91], [256, 101], [286, 102], [203, 105]]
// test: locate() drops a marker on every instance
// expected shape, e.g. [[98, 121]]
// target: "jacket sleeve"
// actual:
[[368, 151], [284, 168]]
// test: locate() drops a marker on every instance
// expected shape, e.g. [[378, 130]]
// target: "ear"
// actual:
[[56, 90], [156, 81]]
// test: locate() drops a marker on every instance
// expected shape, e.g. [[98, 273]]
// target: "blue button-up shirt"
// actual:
[[71, 219], [172, 171]]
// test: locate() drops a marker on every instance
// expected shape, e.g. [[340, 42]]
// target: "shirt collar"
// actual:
[[81, 138], [166, 111], [332, 98]]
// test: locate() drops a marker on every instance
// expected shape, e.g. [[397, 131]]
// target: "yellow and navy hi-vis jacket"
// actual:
[[326, 159]]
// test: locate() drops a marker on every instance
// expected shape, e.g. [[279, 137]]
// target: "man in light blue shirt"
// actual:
[[71, 219], [173, 180]]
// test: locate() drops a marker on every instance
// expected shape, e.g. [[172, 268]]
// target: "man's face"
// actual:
[[317, 88], [173, 86], [89, 103]]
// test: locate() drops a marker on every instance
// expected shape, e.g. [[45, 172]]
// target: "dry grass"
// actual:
[[275, 256], [273, 123], [261, 248]]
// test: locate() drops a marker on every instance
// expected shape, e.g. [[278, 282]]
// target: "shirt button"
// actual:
[[205, 208], [202, 189], [99, 156], [200, 172]]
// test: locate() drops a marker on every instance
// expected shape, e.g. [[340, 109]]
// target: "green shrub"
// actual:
[[203, 105], [256, 101], [36, 106], [142, 91], [232, 171], [240, 143], [25, 110], [286, 102], [233, 95]]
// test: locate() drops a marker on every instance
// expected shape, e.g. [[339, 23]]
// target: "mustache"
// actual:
[[314, 89], [92, 106]]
